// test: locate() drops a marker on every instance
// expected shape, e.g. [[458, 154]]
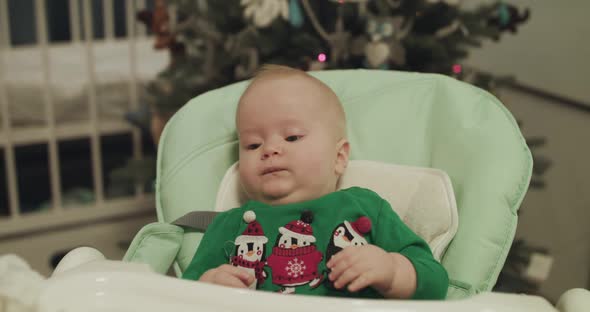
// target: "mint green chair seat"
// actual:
[[404, 118]]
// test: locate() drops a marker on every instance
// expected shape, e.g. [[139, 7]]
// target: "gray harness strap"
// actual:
[[197, 220]]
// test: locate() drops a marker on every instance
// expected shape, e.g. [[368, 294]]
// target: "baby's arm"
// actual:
[[228, 275], [398, 265], [390, 273]]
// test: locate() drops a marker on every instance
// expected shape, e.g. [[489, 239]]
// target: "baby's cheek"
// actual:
[[246, 178], [321, 167]]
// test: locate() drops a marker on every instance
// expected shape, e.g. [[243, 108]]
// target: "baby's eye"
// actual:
[[292, 138], [253, 146]]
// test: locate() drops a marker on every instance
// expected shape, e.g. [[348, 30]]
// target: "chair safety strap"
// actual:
[[196, 220]]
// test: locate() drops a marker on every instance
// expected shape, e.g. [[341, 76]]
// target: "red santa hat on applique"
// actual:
[[360, 227], [300, 229], [253, 232]]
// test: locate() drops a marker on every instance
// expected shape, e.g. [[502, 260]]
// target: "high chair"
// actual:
[[405, 119]]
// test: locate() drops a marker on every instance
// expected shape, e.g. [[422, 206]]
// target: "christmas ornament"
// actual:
[[264, 12], [295, 14], [385, 45], [508, 17], [159, 22]]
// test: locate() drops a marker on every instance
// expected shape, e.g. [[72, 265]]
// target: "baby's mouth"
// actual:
[[270, 170]]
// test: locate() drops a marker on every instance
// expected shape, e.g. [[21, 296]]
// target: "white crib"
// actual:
[[55, 93]]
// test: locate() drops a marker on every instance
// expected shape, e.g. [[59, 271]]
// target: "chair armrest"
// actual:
[[157, 245], [77, 257], [574, 300]]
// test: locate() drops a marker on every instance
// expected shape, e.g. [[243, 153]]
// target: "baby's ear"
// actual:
[[343, 150]]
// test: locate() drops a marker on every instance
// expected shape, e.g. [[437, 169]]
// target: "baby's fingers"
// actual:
[[347, 276], [238, 273], [362, 281], [228, 275], [228, 279], [341, 262]]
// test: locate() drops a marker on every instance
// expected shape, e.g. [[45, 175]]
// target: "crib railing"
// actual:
[[15, 222]]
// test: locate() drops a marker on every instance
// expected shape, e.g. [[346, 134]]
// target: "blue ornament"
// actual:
[[295, 13], [504, 14]]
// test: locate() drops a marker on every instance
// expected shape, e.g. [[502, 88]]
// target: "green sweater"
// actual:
[[286, 247]]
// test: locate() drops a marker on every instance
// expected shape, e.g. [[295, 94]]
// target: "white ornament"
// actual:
[[263, 12], [377, 53], [249, 216]]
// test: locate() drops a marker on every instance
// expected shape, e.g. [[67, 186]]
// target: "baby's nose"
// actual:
[[271, 151]]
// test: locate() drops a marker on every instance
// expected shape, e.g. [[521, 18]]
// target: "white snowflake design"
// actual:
[[295, 268]]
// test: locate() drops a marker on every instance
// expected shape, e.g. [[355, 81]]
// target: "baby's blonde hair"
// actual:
[[271, 70]]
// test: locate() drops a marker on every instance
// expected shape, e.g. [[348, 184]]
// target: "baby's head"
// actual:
[[292, 135]]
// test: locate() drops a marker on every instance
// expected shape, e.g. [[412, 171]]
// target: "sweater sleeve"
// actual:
[[393, 235], [211, 252]]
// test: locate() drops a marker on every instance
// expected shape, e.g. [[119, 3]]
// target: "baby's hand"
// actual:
[[368, 265], [228, 275]]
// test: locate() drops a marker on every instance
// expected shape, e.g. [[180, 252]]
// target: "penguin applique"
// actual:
[[295, 259], [250, 250], [347, 234]]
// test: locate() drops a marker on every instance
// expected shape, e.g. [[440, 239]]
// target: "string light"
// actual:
[[322, 57]]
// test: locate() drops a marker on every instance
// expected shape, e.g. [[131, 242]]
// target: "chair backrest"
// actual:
[[415, 119]]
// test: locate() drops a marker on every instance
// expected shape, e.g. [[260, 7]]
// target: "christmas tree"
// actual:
[[215, 43]]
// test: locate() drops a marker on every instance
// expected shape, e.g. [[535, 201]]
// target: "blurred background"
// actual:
[[86, 87]]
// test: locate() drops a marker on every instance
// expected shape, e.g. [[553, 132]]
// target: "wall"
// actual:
[[550, 51], [557, 217]]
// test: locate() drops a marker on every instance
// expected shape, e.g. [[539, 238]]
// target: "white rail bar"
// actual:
[[75, 20], [66, 131], [133, 95], [139, 5], [93, 107], [42, 42], [4, 25], [109, 20], [9, 161]]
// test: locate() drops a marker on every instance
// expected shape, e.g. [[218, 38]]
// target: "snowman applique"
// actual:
[[347, 234], [250, 250], [294, 260]]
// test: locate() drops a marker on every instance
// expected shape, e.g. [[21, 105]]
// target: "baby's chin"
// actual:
[[275, 199], [284, 193]]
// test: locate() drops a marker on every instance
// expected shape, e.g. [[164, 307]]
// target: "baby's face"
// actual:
[[288, 147]]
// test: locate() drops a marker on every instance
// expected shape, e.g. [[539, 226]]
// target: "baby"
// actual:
[[292, 151]]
